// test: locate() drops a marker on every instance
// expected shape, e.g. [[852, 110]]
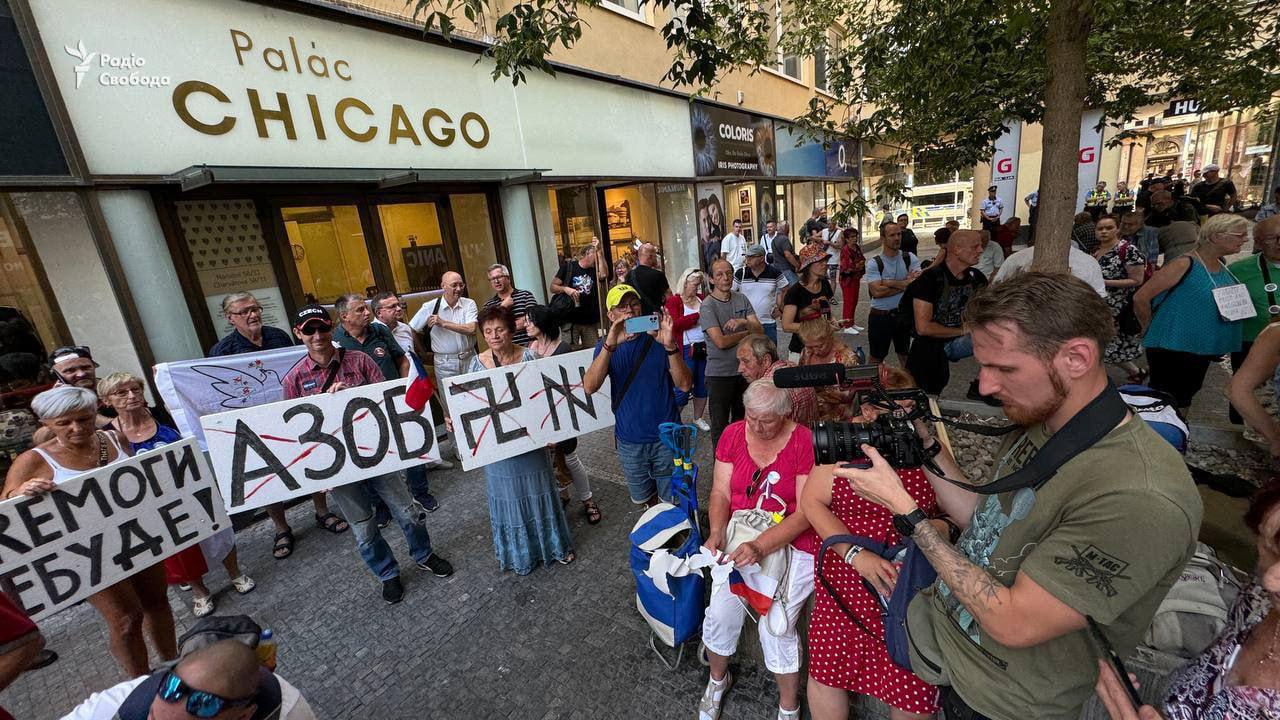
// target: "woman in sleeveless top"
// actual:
[[1260, 366], [1178, 309], [524, 507], [138, 603], [135, 423], [544, 329]]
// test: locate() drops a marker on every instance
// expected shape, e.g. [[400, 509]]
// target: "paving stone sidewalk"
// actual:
[[562, 642]]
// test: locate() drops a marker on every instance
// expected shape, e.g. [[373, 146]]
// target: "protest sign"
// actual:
[[192, 389], [510, 410], [271, 453], [98, 528]]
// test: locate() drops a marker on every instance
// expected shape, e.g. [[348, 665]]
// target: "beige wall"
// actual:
[[615, 43]]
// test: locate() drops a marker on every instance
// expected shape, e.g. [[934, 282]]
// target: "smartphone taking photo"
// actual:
[[642, 324], [1109, 654]]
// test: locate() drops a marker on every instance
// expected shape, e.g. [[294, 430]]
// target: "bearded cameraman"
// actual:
[[1003, 631]]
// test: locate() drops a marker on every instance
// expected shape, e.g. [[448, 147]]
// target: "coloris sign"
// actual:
[[727, 142]]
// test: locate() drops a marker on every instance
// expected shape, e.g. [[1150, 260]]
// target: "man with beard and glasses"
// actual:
[[1004, 629]]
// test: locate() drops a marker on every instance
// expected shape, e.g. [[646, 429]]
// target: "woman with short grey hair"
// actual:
[[138, 603], [761, 462]]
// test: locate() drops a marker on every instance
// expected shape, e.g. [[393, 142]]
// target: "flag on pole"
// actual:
[[420, 388], [754, 587]]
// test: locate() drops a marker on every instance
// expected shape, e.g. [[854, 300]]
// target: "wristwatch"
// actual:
[[933, 450], [906, 524]]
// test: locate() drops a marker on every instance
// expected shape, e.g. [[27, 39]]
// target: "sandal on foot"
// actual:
[[568, 558], [243, 584], [592, 511], [332, 523], [202, 606], [43, 659], [283, 546]]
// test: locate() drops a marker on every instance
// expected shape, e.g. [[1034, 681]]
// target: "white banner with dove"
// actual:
[[192, 389]]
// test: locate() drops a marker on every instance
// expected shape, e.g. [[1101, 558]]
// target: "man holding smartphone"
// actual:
[[726, 318], [644, 370]]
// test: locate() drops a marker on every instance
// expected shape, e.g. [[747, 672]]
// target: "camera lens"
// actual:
[[835, 442]]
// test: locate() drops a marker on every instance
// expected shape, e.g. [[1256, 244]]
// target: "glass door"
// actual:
[[416, 250], [327, 244]]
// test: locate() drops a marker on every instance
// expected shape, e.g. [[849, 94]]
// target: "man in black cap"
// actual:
[[330, 369]]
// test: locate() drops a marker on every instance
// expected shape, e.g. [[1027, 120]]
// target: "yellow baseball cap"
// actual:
[[616, 294]]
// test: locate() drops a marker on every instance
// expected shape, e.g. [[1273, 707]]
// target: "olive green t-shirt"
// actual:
[[1107, 535]]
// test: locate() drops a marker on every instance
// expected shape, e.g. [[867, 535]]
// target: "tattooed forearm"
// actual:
[[971, 585]]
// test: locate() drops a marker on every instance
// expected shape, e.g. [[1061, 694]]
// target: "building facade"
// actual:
[[301, 150]]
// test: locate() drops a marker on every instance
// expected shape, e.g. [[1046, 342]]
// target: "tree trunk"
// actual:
[[1064, 94]]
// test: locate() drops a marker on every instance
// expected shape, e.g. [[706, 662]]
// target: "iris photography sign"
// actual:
[[727, 142]]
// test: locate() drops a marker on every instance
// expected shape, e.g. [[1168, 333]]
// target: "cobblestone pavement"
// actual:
[[562, 642]]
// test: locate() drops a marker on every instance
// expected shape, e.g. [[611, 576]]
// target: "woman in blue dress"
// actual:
[[137, 424], [528, 522]]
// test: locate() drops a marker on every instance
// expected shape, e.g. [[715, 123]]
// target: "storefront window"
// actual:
[[740, 200], [802, 204], [229, 254], [475, 242], [415, 249], [632, 219], [328, 247], [678, 220], [572, 219]]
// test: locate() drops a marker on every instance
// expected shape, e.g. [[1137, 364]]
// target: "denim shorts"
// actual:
[[647, 467]]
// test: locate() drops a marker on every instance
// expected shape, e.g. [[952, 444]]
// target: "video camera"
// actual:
[[892, 434]]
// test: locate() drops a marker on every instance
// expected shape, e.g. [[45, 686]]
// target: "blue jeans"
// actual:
[[356, 502], [771, 332], [699, 370], [419, 486], [959, 348], [648, 469]]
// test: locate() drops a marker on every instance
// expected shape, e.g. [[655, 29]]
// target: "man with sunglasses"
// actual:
[[223, 681], [330, 369], [507, 295], [250, 335], [244, 312]]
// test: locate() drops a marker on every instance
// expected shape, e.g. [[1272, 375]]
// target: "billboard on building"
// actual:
[[1004, 168], [810, 158], [728, 142]]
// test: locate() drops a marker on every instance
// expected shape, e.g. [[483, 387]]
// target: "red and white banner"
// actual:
[[1089, 158], [1004, 168]]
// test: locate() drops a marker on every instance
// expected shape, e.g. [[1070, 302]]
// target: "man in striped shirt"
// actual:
[[519, 301]]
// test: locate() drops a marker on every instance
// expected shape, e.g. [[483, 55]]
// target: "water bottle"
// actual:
[[266, 650]]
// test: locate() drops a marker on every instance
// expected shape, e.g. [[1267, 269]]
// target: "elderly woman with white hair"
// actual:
[[761, 462], [138, 603], [1181, 309]]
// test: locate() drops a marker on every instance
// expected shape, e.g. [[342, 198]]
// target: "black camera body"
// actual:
[[892, 434], [895, 438]]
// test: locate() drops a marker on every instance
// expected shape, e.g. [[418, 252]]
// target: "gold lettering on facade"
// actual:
[[445, 139], [342, 69], [261, 116], [241, 43], [468, 119], [400, 127], [276, 59], [340, 112], [185, 90], [315, 116]]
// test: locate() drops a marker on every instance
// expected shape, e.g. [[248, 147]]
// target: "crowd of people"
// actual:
[[1022, 573]]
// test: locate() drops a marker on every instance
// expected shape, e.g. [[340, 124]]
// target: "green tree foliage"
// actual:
[[941, 79]]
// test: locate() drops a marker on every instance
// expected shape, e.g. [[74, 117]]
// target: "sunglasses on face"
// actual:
[[312, 328], [200, 704]]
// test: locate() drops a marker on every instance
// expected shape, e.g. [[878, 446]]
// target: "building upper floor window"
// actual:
[[628, 7]]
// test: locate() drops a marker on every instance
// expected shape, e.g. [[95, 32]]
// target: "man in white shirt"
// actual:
[[451, 320], [991, 209], [227, 674], [831, 243], [1082, 264], [733, 246], [992, 256], [763, 285]]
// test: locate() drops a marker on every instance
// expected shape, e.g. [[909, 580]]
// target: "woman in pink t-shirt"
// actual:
[[764, 456]]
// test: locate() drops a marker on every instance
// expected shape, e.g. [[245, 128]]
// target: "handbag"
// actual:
[[698, 351], [748, 525]]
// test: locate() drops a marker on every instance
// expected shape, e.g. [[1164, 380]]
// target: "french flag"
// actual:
[[754, 587], [420, 388]]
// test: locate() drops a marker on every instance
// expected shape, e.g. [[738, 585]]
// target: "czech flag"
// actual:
[[420, 388], [754, 587]]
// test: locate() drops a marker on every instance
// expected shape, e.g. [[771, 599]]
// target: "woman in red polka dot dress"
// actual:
[[843, 658]]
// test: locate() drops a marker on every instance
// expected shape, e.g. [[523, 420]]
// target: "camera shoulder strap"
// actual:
[[616, 398], [1085, 428]]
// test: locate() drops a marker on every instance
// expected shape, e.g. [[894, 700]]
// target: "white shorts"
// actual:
[[726, 612]]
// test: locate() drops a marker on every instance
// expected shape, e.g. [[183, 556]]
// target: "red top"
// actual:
[[852, 260], [15, 629], [307, 378], [682, 320], [795, 458]]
